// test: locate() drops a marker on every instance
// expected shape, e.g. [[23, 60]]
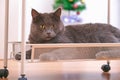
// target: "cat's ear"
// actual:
[[58, 12], [34, 13]]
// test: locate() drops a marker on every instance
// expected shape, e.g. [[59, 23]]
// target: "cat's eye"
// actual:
[[42, 27]]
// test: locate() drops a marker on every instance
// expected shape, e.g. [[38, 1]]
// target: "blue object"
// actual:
[[22, 77], [71, 19]]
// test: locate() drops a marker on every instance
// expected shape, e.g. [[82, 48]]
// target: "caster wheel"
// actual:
[[18, 56], [22, 77], [105, 68], [4, 73]]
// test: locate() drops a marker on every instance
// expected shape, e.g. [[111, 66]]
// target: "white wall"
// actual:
[[13, 20], [96, 11], [115, 13], [2, 27], [13, 23]]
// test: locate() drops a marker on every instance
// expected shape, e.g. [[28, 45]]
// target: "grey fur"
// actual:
[[82, 33]]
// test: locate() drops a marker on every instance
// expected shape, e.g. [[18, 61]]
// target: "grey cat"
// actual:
[[48, 28]]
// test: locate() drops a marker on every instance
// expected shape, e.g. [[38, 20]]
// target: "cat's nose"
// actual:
[[48, 33]]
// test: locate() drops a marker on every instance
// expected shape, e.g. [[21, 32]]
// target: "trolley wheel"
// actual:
[[106, 67], [22, 77], [4, 73]]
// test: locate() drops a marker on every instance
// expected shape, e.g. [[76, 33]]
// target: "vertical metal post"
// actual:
[[108, 15], [23, 44], [23, 38], [6, 32]]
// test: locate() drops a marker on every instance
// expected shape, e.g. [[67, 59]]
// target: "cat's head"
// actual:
[[46, 26]]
